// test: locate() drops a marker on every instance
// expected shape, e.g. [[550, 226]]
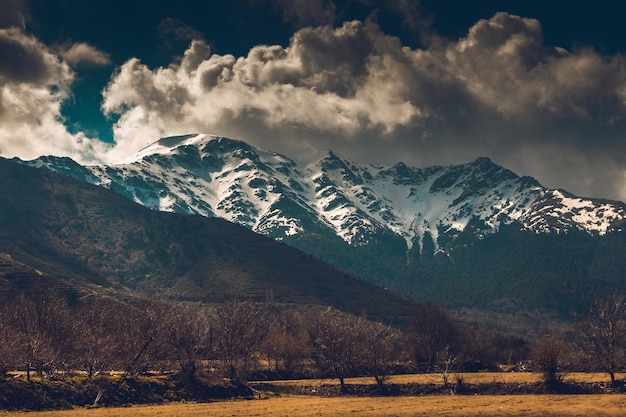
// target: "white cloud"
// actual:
[[354, 78], [505, 65], [327, 80], [34, 82], [83, 53]]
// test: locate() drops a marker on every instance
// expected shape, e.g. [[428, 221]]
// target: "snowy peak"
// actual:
[[211, 176], [475, 177], [561, 211], [274, 195], [414, 203]]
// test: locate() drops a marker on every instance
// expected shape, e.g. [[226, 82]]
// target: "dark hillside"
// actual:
[[15, 278], [86, 235], [508, 271]]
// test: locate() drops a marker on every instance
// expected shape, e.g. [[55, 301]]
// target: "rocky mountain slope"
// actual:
[[84, 239], [466, 235], [275, 196]]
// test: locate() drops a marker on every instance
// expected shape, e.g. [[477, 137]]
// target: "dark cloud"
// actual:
[[174, 37], [307, 12], [14, 14], [414, 16], [177, 29], [503, 63], [24, 59], [333, 60]]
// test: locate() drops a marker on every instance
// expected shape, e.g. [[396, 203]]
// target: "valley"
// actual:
[[112, 278]]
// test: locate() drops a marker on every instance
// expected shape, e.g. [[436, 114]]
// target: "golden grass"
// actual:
[[604, 405], [601, 405], [468, 378]]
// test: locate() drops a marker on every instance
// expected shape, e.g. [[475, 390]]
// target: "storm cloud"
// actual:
[[499, 91]]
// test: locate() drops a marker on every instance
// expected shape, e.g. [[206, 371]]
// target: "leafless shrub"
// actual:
[[552, 356]]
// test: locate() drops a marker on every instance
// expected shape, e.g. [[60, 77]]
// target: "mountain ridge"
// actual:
[[278, 197], [470, 235]]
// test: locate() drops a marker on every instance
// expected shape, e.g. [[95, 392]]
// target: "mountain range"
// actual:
[[82, 240], [275, 196], [465, 235]]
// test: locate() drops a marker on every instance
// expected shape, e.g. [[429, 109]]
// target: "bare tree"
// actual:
[[95, 347], [604, 333], [380, 350], [436, 337], [151, 325], [285, 342], [336, 344], [8, 340], [55, 320], [122, 324], [239, 331], [187, 335], [35, 333]]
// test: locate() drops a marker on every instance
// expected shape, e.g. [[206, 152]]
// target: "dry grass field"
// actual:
[[469, 378], [404, 406], [434, 406]]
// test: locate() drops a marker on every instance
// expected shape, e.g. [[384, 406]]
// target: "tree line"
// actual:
[[41, 334]]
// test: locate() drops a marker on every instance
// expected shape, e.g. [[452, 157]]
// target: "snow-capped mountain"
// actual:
[[276, 196]]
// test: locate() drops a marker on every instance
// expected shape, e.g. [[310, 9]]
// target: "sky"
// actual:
[[537, 86]]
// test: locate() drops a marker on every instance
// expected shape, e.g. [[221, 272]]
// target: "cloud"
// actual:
[[307, 12], [170, 27], [337, 80], [499, 92], [25, 59], [504, 64], [34, 82], [13, 14], [413, 14], [82, 53]]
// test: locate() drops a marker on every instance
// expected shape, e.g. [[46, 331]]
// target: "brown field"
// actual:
[[434, 406], [405, 406], [468, 378]]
